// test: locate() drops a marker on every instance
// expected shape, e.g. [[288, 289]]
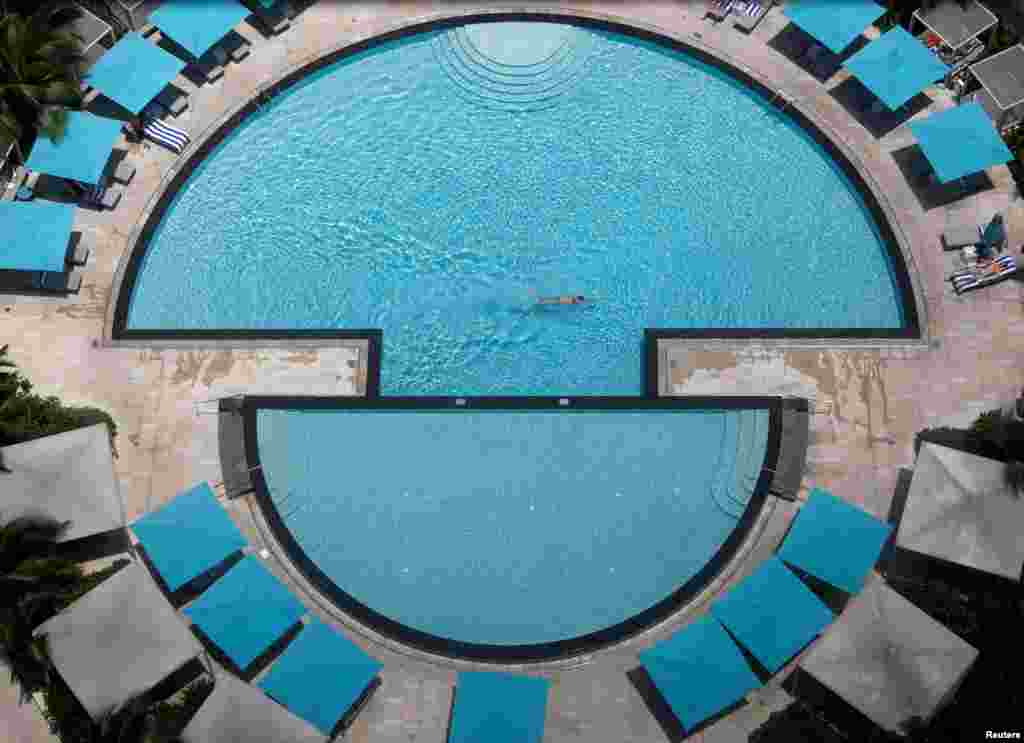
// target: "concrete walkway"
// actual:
[[878, 398]]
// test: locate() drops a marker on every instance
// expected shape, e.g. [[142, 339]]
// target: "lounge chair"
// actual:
[[78, 251], [212, 72], [693, 676], [497, 706], [968, 280], [233, 48], [196, 517], [171, 103], [273, 19], [820, 523], [719, 9], [56, 282], [993, 236], [324, 678], [124, 172], [100, 197], [756, 10], [244, 613]]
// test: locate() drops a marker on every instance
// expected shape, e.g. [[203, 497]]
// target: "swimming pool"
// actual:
[[502, 531], [434, 186]]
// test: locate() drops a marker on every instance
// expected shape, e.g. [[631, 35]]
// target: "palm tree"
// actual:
[[39, 73], [27, 563], [24, 655]]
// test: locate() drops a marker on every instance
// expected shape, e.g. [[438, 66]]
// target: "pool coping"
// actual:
[[319, 590], [911, 294]]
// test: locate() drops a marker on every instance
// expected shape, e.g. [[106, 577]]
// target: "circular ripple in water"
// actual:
[[514, 66]]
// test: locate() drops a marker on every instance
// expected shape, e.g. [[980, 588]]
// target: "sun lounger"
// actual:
[[273, 19], [824, 519], [961, 236], [125, 172], [719, 9], [196, 517], [171, 137], [240, 52], [213, 72], [54, 281], [992, 236], [78, 251], [1002, 268], [101, 197], [756, 10], [175, 104]]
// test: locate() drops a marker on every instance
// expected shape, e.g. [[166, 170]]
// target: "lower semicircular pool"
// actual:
[[436, 186], [485, 532]]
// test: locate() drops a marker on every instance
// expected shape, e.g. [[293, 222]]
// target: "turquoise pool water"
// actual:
[[433, 187], [510, 527]]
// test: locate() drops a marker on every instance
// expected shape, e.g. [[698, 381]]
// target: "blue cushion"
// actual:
[[835, 541], [320, 676], [194, 518], [246, 611], [498, 708], [700, 671], [772, 613]]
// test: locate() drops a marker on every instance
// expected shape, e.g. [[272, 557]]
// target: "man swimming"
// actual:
[[563, 299]]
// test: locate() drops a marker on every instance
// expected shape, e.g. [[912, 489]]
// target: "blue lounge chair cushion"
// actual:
[[194, 518], [498, 708], [320, 676], [245, 611], [835, 541], [772, 613], [700, 671]]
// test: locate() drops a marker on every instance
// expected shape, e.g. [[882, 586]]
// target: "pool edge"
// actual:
[[909, 291], [318, 588]]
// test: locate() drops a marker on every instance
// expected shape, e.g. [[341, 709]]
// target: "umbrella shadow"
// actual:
[[867, 110], [930, 194], [833, 708], [108, 108], [795, 44]]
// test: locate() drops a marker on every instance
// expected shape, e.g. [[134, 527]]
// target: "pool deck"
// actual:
[[878, 398]]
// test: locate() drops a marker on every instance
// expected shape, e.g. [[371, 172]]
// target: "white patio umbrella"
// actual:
[[959, 509], [889, 659]]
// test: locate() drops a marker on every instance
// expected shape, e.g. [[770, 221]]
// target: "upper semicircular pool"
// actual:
[[434, 186]]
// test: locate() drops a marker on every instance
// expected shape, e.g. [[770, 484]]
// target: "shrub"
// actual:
[[24, 415], [1015, 476]]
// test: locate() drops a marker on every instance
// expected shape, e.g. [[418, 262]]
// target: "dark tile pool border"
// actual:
[[911, 329], [499, 654]]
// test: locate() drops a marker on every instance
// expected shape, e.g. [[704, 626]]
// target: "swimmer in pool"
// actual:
[[563, 299]]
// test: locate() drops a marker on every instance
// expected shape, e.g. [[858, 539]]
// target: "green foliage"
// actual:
[[24, 415], [89, 581], [987, 424], [898, 13], [993, 434], [39, 68], [1015, 142], [64, 713], [1015, 476], [172, 716], [1003, 38]]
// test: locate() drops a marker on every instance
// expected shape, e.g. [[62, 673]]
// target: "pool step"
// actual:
[[496, 67]]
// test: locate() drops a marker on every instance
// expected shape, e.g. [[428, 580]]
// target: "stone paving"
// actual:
[[875, 398]]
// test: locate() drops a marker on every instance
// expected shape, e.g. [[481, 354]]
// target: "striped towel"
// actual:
[[966, 280], [169, 136], [753, 7]]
